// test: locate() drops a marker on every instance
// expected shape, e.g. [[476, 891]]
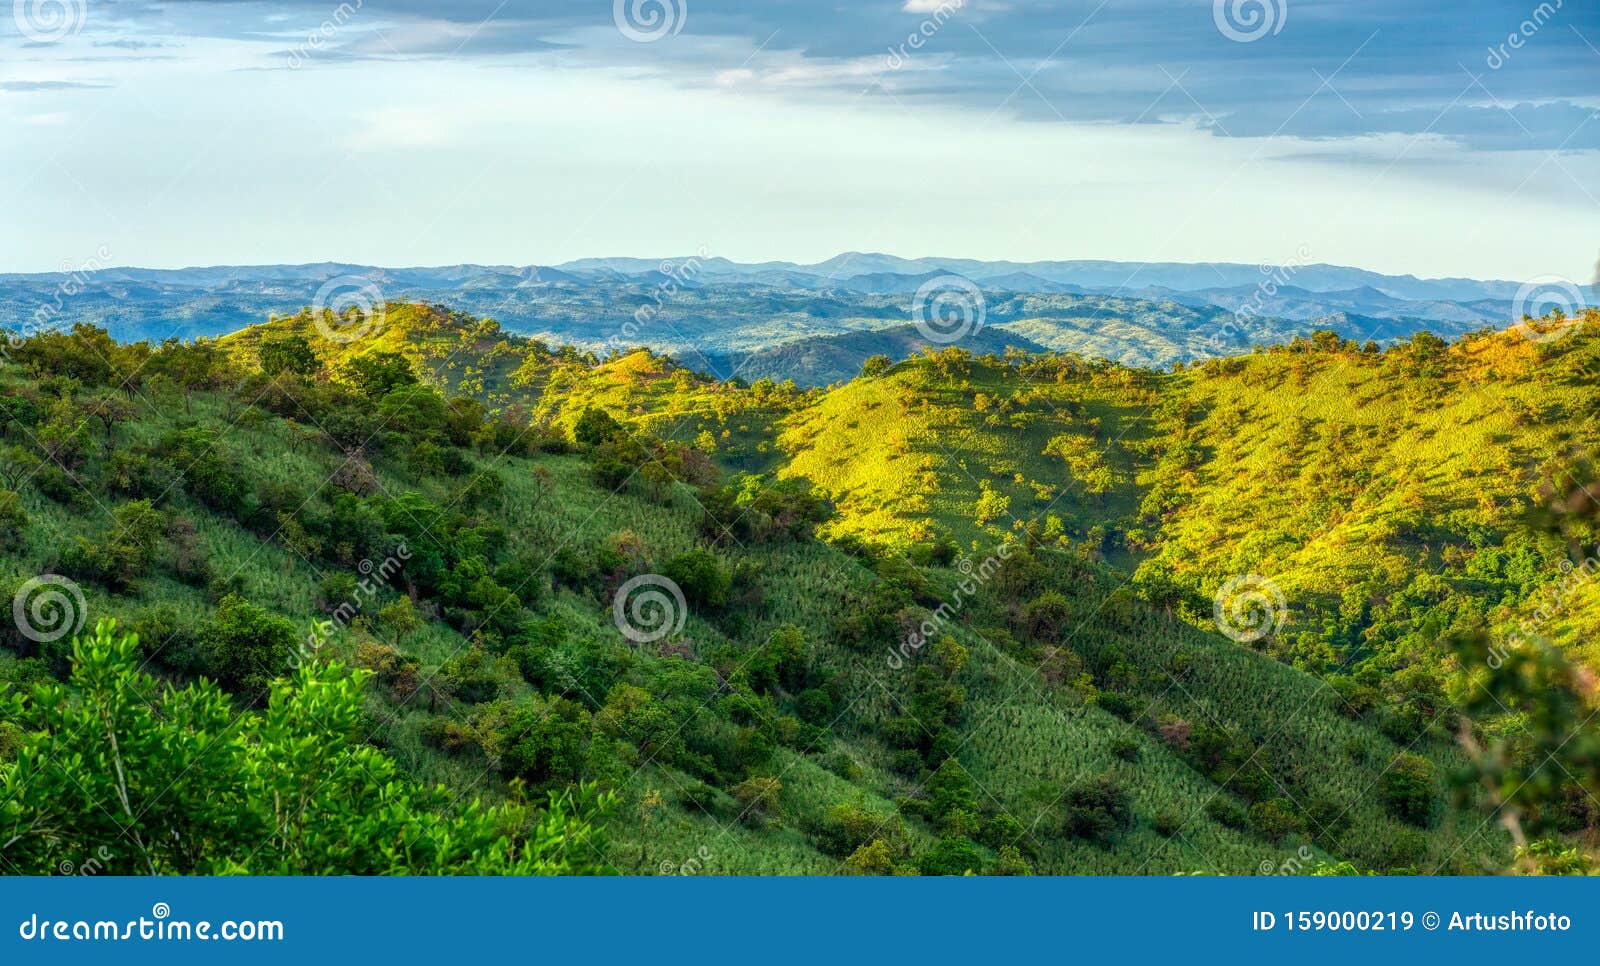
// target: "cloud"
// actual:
[[28, 87], [1350, 70], [129, 43]]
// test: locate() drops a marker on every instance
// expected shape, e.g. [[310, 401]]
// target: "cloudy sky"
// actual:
[[1433, 138]]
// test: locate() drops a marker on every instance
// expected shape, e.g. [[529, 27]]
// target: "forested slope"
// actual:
[[893, 627]]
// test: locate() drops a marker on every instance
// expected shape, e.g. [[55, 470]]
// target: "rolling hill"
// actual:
[[951, 615]]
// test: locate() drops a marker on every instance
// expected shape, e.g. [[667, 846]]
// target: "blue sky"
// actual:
[[1396, 135]]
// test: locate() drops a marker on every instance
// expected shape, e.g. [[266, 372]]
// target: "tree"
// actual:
[[400, 618], [192, 367], [701, 577], [376, 374], [1408, 789], [1096, 809], [595, 426], [1046, 617], [992, 504], [243, 647], [128, 548], [952, 855], [876, 366], [290, 355], [110, 411], [13, 520], [288, 790]]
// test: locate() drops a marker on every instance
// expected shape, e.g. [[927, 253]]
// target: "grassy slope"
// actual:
[[906, 456], [1023, 739]]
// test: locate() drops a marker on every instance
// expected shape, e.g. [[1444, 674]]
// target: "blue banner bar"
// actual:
[[679, 919]]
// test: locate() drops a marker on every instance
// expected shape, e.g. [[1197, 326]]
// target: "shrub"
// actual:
[[1408, 789], [243, 648], [1096, 809], [952, 856], [701, 576]]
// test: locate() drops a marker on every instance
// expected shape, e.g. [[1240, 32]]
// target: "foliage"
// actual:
[[179, 783]]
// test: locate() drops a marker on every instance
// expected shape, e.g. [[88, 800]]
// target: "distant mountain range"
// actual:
[[813, 323]]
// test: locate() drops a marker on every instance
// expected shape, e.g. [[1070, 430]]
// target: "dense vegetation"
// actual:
[[447, 600]]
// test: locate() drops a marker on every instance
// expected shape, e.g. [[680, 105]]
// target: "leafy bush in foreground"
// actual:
[[158, 780]]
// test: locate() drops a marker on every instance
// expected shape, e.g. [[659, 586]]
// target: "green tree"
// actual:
[[876, 366], [290, 355], [595, 426], [1407, 787], [701, 576], [243, 647], [13, 520], [183, 786], [376, 374]]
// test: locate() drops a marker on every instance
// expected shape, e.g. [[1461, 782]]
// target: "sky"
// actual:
[[1431, 138]]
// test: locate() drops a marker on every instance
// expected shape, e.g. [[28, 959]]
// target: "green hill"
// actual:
[[907, 639]]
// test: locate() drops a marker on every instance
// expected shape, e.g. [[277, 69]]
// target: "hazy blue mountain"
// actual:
[[827, 359], [1099, 275], [1138, 313]]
